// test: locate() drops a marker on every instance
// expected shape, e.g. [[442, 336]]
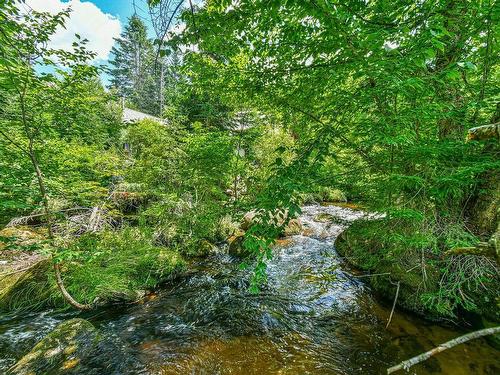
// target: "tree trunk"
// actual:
[[48, 218], [65, 293]]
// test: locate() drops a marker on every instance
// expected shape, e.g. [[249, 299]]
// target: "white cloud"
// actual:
[[87, 20]]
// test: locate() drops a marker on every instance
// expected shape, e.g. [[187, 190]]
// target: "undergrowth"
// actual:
[[411, 251], [112, 266]]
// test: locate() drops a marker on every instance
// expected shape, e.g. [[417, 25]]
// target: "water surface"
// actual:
[[312, 317]]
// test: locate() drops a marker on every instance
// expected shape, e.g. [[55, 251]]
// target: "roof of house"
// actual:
[[130, 115]]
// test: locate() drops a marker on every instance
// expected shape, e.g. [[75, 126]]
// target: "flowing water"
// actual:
[[313, 317]]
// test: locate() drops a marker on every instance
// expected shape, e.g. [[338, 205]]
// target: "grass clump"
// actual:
[[116, 266]]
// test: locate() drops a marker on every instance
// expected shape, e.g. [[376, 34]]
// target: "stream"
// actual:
[[314, 316]]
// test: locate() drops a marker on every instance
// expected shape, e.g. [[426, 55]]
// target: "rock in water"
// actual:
[[60, 351], [236, 247], [293, 227]]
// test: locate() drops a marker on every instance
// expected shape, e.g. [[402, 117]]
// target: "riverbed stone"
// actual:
[[293, 227], [60, 351]]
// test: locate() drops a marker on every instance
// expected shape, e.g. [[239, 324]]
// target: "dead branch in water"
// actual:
[[393, 305], [447, 345]]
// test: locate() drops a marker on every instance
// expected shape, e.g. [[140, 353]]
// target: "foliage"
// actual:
[[269, 104], [54, 109], [377, 96], [138, 74]]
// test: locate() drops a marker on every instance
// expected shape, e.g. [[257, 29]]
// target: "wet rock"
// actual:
[[206, 248], [293, 227], [484, 212], [236, 247], [60, 351], [121, 296], [323, 218]]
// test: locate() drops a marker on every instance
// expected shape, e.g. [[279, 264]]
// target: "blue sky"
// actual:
[[100, 21], [118, 8], [124, 9]]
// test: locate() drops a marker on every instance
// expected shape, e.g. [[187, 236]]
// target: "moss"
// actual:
[[434, 286], [60, 351], [332, 195], [484, 213], [23, 270], [105, 268], [323, 194], [28, 289]]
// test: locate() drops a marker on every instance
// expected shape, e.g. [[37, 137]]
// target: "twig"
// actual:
[[4, 275], [393, 305], [373, 274], [447, 345]]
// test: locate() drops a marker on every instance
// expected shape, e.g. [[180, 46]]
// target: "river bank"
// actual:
[[314, 316]]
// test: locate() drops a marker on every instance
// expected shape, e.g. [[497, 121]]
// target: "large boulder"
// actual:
[[24, 271], [61, 351]]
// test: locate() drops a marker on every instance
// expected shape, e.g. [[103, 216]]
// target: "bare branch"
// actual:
[[447, 345]]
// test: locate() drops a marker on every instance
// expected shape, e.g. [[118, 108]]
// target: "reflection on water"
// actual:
[[313, 317]]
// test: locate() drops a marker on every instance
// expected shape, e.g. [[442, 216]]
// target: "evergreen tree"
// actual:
[[133, 73]]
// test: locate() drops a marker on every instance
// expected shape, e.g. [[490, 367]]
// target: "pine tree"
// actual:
[[133, 67]]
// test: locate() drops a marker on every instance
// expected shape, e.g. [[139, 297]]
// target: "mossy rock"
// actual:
[[206, 248], [369, 247], [332, 195], [61, 351], [293, 227], [484, 213], [24, 282], [393, 250], [323, 194], [236, 247], [26, 289]]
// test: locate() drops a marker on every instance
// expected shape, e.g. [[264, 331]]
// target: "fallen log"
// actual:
[[481, 249], [405, 365], [484, 132]]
